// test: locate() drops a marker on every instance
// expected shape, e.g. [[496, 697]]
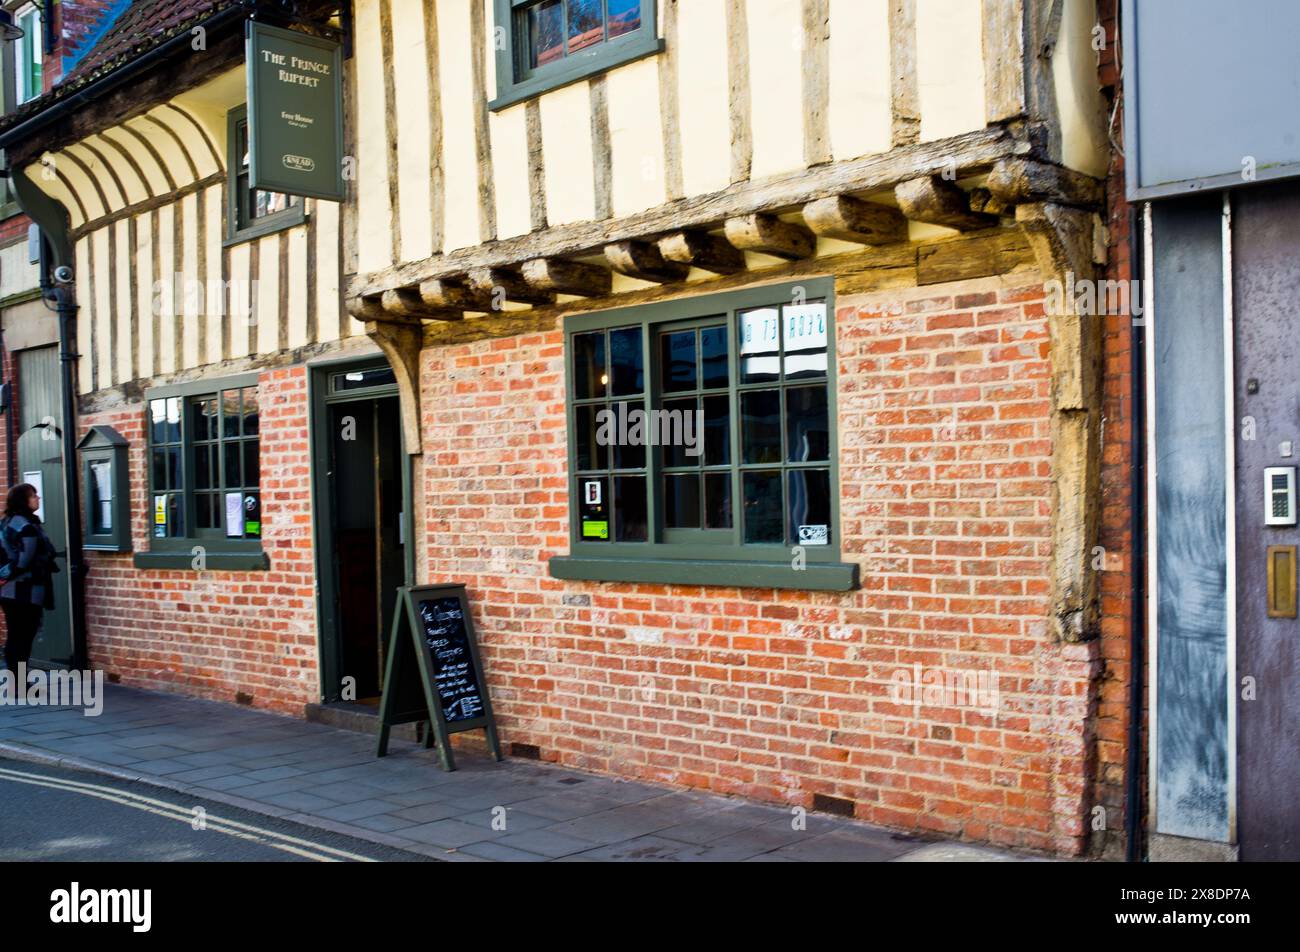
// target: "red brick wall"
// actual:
[[219, 633], [1116, 475], [945, 489], [78, 23], [14, 229]]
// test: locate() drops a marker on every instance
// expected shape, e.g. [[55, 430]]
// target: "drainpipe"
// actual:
[[1133, 846], [57, 286], [64, 296], [11, 435]]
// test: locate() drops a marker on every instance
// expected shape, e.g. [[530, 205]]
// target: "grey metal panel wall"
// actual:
[[1191, 556], [38, 378], [1265, 288], [1207, 84]]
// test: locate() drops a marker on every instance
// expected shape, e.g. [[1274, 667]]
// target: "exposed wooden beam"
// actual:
[[937, 201], [369, 310], [444, 293], [971, 153], [702, 250], [405, 304], [1018, 181], [858, 271], [851, 219], [556, 275], [982, 200], [503, 282], [1062, 240], [771, 236], [643, 260]]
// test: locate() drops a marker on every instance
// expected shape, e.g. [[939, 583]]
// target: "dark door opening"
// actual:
[[365, 505]]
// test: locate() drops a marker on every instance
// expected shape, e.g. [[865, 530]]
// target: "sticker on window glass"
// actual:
[[758, 331], [252, 517], [593, 516], [160, 516], [805, 326], [234, 515], [814, 535]]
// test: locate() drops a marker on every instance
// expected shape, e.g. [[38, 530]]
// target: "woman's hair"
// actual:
[[18, 502]]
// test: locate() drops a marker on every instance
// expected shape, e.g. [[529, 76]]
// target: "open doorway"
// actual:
[[361, 491]]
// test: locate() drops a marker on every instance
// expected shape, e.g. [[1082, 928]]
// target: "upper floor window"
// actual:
[[703, 442], [253, 212], [28, 54], [550, 43]]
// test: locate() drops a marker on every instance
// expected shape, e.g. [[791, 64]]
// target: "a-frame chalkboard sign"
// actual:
[[433, 673]]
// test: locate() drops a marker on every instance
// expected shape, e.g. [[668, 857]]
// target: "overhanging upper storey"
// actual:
[[575, 152]]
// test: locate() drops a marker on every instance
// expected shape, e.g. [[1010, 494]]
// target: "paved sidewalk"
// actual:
[[329, 778]]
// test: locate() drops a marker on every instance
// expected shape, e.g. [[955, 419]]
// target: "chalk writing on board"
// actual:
[[454, 676]]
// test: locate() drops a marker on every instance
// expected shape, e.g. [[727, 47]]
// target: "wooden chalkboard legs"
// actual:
[[494, 745], [387, 715]]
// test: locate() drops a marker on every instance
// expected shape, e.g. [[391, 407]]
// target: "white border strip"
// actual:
[[1153, 594], [1230, 512]]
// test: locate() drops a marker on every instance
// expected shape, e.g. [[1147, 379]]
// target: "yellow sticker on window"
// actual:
[[595, 530]]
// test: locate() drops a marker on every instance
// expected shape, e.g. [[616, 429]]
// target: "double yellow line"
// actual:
[[244, 831]]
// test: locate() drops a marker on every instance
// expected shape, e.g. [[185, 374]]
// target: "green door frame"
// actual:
[[322, 398]]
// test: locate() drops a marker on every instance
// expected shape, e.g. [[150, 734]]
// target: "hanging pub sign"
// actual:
[[295, 112], [433, 674]]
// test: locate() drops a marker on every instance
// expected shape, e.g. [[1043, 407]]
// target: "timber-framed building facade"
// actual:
[[866, 582]]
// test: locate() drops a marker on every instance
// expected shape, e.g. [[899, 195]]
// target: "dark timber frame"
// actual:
[[321, 397]]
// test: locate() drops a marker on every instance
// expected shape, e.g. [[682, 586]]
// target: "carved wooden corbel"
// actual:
[[401, 341]]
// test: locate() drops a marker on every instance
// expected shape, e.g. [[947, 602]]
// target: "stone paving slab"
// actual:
[[514, 811]]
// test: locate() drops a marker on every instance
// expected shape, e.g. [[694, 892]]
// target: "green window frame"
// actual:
[[575, 55], [745, 496], [251, 213], [203, 441]]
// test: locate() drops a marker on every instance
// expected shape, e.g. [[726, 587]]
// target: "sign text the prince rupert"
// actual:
[[295, 112]]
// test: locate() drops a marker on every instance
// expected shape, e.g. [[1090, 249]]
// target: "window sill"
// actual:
[[229, 561], [575, 69], [106, 546], [815, 577], [280, 221]]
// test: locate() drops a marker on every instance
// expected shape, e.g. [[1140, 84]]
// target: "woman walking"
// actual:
[[27, 590]]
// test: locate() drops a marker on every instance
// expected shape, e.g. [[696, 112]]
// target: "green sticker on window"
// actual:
[[252, 528], [595, 530]]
